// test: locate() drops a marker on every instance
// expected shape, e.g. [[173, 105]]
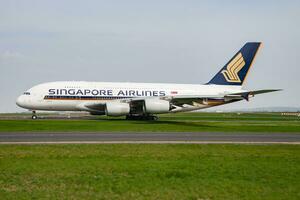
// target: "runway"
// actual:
[[153, 137]]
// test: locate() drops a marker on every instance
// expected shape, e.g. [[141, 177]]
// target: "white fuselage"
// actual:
[[75, 95]]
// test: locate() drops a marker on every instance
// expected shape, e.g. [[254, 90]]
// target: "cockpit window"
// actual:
[[27, 93]]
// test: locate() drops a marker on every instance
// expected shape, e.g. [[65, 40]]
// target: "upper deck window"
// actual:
[[27, 93]]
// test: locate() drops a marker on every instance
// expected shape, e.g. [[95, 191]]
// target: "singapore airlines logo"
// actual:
[[233, 68]]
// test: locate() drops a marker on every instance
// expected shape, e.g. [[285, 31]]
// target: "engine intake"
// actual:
[[117, 109], [157, 106]]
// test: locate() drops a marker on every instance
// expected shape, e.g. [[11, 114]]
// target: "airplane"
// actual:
[[146, 100]]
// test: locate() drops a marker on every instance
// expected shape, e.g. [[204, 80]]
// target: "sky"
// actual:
[[164, 41]]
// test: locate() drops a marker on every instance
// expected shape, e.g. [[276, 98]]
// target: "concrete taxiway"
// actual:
[[153, 137]]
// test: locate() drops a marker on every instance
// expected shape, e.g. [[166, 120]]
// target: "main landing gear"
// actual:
[[34, 117], [142, 117]]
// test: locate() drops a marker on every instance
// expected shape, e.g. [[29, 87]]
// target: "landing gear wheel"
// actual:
[[34, 115]]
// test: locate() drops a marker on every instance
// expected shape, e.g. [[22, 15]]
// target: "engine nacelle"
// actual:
[[117, 109], [157, 106]]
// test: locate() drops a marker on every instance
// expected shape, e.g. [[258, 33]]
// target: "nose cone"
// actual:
[[21, 101]]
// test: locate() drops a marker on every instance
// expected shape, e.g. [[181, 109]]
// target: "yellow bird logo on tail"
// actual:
[[233, 68]]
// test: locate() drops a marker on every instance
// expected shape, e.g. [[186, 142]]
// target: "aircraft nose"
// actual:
[[20, 101]]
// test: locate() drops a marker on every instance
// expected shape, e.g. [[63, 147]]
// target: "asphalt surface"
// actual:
[[172, 137]]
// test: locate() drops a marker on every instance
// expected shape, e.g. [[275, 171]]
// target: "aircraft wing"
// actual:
[[92, 107], [178, 100], [204, 99]]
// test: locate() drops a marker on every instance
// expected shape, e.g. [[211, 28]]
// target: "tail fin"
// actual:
[[236, 70]]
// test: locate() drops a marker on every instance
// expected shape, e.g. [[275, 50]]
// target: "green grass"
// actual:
[[187, 122], [150, 171]]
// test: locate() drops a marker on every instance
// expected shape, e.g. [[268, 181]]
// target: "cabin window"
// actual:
[[26, 93]]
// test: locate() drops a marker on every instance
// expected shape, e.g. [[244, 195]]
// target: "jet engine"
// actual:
[[156, 106], [117, 109]]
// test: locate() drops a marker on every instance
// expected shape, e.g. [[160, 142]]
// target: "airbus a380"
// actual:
[[144, 100]]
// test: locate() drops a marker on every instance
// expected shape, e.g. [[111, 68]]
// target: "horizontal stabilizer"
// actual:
[[246, 95], [254, 92]]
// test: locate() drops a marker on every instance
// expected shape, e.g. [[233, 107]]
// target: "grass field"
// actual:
[[150, 171], [183, 122]]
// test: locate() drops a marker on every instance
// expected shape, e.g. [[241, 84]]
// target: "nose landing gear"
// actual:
[[34, 116]]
